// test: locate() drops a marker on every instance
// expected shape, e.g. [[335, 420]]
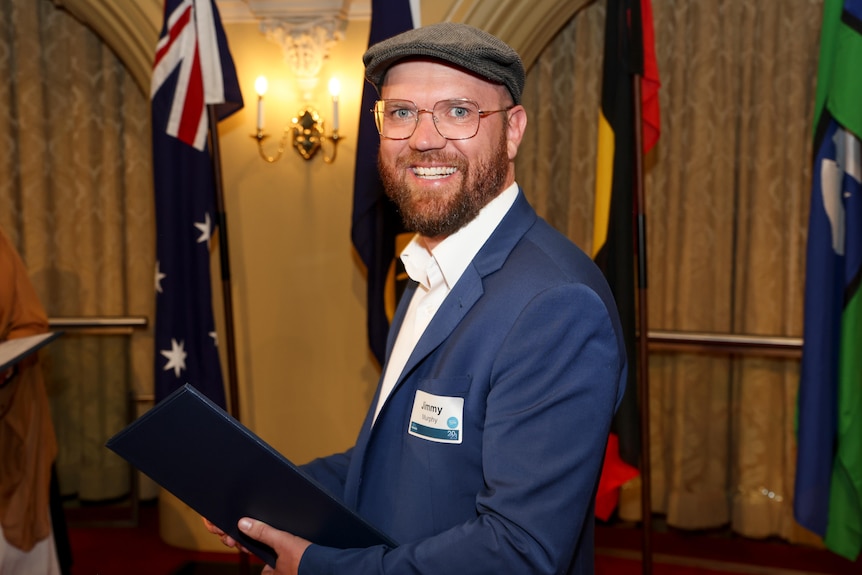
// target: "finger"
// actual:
[[226, 539], [212, 528], [288, 547], [258, 530]]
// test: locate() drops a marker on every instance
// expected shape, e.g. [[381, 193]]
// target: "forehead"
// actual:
[[428, 81]]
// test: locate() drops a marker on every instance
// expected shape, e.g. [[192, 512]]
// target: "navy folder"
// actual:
[[221, 469]]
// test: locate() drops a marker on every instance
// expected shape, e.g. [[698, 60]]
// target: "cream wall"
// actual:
[[299, 296]]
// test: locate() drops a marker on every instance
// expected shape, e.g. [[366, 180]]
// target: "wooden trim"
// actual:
[[725, 343]]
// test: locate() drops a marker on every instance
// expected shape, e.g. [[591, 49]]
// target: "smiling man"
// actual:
[[482, 449]]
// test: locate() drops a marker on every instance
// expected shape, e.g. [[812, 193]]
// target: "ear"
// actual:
[[515, 126]]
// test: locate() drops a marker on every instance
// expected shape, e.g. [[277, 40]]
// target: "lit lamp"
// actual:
[[260, 86], [306, 131]]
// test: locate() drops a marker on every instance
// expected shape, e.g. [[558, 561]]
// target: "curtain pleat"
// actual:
[[75, 183], [727, 192]]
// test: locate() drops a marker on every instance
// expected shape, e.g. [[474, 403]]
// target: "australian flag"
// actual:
[[192, 70]]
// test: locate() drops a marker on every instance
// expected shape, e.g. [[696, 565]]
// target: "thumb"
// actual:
[[258, 530], [288, 547]]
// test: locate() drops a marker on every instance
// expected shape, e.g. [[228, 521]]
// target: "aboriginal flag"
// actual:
[[628, 55]]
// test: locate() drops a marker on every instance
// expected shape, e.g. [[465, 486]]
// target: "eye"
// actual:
[[401, 113], [459, 112]]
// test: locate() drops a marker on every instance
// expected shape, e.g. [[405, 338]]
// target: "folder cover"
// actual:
[[221, 469], [14, 350]]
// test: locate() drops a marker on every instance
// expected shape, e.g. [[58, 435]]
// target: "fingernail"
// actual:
[[244, 524]]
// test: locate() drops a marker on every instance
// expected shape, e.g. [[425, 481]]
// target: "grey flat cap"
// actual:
[[460, 44]]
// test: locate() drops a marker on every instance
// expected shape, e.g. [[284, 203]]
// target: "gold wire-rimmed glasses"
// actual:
[[456, 119]]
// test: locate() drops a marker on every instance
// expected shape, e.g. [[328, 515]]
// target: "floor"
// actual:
[[113, 540]]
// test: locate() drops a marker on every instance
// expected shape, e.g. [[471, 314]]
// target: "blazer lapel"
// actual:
[[456, 305], [465, 294], [469, 287]]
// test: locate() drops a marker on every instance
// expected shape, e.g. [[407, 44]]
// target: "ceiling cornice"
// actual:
[[291, 10], [131, 27]]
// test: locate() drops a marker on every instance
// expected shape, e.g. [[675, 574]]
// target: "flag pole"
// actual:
[[227, 293], [227, 296], [643, 340]]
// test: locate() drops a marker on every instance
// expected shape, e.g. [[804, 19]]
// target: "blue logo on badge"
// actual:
[[452, 422]]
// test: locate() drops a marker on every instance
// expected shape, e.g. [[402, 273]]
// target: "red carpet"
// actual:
[[677, 552], [138, 550]]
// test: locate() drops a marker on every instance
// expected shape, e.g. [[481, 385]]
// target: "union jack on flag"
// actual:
[[190, 43], [192, 69]]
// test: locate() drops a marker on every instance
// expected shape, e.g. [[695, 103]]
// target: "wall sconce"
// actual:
[[306, 131]]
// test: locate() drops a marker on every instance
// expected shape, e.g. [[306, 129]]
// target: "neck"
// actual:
[[431, 243]]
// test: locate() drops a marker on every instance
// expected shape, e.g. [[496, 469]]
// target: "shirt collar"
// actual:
[[452, 256]]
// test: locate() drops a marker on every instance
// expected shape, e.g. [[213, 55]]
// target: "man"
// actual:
[[482, 450]]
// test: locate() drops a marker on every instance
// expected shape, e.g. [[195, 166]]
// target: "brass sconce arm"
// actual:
[[306, 131]]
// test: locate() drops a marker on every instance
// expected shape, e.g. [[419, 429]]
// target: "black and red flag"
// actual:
[[629, 57]]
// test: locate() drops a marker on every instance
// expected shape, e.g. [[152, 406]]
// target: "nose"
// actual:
[[426, 136]]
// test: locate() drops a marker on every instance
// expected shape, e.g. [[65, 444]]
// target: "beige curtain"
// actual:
[[75, 191], [727, 192]]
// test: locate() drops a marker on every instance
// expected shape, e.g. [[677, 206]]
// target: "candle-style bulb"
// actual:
[[334, 90], [261, 85]]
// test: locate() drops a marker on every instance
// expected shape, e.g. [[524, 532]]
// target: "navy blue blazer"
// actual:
[[530, 339]]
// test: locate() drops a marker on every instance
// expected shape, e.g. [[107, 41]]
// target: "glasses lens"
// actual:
[[457, 119], [454, 119], [395, 119]]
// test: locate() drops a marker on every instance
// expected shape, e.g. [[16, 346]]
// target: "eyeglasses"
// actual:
[[456, 119]]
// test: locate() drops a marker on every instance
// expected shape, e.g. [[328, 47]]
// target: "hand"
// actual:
[[226, 539], [288, 547], [8, 375]]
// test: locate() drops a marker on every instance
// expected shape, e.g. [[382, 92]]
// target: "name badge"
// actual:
[[437, 418]]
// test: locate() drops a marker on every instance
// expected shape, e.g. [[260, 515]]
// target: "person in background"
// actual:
[[482, 449], [28, 445]]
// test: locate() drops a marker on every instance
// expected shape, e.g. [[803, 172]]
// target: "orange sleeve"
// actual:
[[21, 313]]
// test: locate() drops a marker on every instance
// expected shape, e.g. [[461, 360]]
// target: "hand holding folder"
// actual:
[[222, 470], [289, 548]]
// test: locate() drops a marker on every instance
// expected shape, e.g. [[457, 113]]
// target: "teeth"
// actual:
[[436, 172]]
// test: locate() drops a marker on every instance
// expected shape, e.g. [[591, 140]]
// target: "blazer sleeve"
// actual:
[[553, 391], [330, 471]]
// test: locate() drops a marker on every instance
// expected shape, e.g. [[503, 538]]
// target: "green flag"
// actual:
[[828, 492]]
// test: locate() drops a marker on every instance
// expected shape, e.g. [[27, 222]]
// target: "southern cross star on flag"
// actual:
[[193, 69]]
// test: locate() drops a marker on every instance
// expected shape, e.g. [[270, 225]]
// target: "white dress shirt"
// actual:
[[436, 272]]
